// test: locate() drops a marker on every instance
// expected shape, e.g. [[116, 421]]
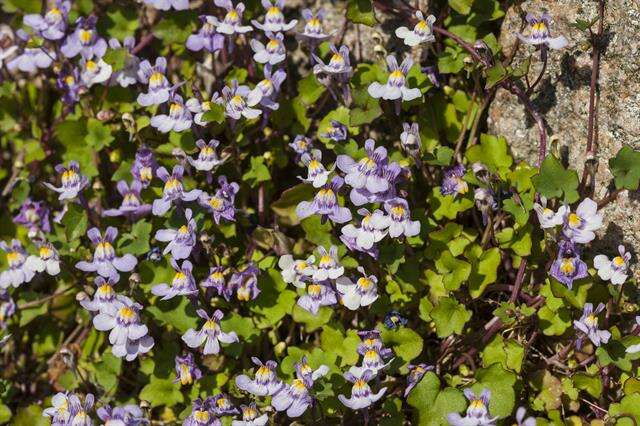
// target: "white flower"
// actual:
[[93, 72], [373, 228], [579, 226], [547, 217], [396, 86], [421, 33], [317, 175], [293, 271], [614, 270], [361, 293], [47, 259]]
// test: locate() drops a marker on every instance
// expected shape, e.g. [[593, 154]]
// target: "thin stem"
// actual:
[[543, 54]]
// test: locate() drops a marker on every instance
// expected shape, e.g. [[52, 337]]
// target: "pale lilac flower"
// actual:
[[401, 223], [69, 83], [187, 372], [352, 245], [335, 131], [267, 90], [329, 266], [251, 416], [202, 414], [477, 411], [390, 173], [206, 38], [372, 340], [296, 271], [588, 324], [104, 297], [579, 226], [215, 280], [396, 86], [173, 192], [245, 283], [361, 293], [614, 270], [18, 272], [547, 217], [317, 174], [154, 76], [367, 172], [128, 75], [94, 71], [529, 421], [272, 53], [568, 266], [211, 335], [373, 359], [313, 33], [72, 181], [208, 158], [236, 104], [338, 65], [452, 182], [422, 32], [84, 40], [540, 34], [416, 373], [79, 410], [46, 260], [144, 166], [182, 284], [325, 204], [317, 295], [200, 108], [34, 215], [7, 308], [128, 335], [168, 4], [53, 24], [59, 410], [105, 262], [232, 22], [221, 203], [361, 393], [373, 228], [300, 145], [265, 381], [132, 205], [128, 415], [274, 19], [179, 118], [32, 58], [410, 139], [295, 398], [182, 240], [221, 405]]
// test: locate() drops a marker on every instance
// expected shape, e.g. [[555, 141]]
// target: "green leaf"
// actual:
[[432, 405], [628, 407], [361, 12], [463, 7], [30, 416], [310, 90], [406, 343], [484, 272], [449, 317], [554, 180], [98, 135], [107, 371], [509, 353], [175, 27], [495, 75], [136, 242], [591, 384], [177, 312], [215, 113], [625, 167], [75, 222], [447, 206], [120, 22], [285, 206], [342, 344], [455, 271], [501, 383], [367, 109], [519, 240], [451, 61], [5, 414], [258, 172], [493, 153], [161, 391], [116, 58]]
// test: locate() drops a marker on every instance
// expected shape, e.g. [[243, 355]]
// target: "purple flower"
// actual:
[[207, 158], [211, 335], [18, 272], [104, 297], [173, 191], [129, 415], [245, 283], [267, 90], [33, 215], [79, 410], [53, 24], [547, 217], [201, 414], [128, 335], [182, 240], [265, 381], [422, 32], [410, 139], [168, 4], [105, 262], [84, 40], [317, 295], [338, 65], [274, 19], [46, 260], [7, 308], [187, 372], [128, 75], [317, 174], [568, 266], [295, 398], [300, 145], [529, 421], [401, 223], [367, 172], [361, 394], [182, 284], [579, 226], [32, 58], [361, 293], [221, 203], [396, 86], [313, 33], [336, 131], [221, 405], [540, 34], [615, 269], [371, 340], [296, 271], [352, 245], [94, 72], [390, 173], [215, 280], [416, 373], [272, 53], [132, 205], [373, 228], [325, 204], [232, 23], [159, 86], [179, 118], [206, 38], [69, 83], [144, 166], [200, 108], [59, 411], [588, 324], [251, 416], [72, 181], [477, 412], [236, 104], [329, 266], [452, 182]]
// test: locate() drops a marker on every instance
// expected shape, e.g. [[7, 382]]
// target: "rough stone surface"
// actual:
[[563, 98]]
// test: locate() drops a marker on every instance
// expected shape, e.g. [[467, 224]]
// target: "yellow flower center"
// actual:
[[566, 266], [68, 175], [210, 325], [201, 416], [359, 385], [364, 283], [146, 174], [574, 220], [591, 320], [618, 261], [477, 404], [175, 109], [85, 35], [126, 313], [91, 66], [397, 74], [185, 375], [69, 80], [171, 184], [314, 289], [216, 203], [222, 402], [397, 211], [104, 290], [273, 44], [184, 229], [13, 257]]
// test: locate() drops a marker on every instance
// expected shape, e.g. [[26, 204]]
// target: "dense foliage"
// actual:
[[216, 212]]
